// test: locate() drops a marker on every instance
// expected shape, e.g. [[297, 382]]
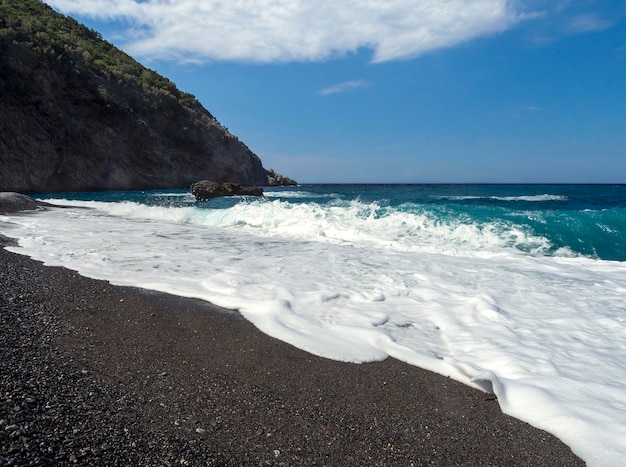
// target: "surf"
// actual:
[[505, 299]]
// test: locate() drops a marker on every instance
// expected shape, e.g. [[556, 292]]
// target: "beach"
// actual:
[[95, 374]]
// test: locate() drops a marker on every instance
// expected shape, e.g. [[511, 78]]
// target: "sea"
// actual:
[[517, 290]]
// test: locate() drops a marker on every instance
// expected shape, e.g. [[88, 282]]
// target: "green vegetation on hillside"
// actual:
[[76, 113], [75, 47]]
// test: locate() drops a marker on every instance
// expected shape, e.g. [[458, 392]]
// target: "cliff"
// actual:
[[78, 114]]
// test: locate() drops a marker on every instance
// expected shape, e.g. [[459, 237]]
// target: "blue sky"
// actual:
[[406, 91]]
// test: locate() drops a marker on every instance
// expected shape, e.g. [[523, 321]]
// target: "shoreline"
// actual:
[[100, 374]]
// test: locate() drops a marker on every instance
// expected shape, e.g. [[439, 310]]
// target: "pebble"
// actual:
[[50, 414]]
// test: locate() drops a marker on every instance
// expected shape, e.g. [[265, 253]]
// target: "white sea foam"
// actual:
[[528, 198], [544, 197], [355, 282], [294, 194], [354, 223], [160, 194]]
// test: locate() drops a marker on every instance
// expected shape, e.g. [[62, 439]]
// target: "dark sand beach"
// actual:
[[94, 374]]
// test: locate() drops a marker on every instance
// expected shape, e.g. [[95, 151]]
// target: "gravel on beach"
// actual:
[[95, 374]]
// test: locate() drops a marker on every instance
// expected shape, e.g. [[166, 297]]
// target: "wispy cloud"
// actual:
[[388, 147], [296, 30], [588, 23], [517, 111], [344, 87], [566, 18]]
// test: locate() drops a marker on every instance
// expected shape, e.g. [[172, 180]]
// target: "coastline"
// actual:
[[99, 374]]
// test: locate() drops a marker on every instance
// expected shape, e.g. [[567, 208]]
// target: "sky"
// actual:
[[396, 91]]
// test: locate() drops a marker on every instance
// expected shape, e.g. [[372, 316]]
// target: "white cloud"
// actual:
[[344, 87], [587, 23], [295, 30]]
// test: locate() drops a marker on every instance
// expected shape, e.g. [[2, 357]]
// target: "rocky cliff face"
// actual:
[[77, 114]]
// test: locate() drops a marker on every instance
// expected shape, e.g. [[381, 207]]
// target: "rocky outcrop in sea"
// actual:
[[206, 189]]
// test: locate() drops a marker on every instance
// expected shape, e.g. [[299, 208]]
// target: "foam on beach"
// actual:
[[495, 305]]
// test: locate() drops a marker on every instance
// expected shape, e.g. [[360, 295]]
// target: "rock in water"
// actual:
[[15, 202], [206, 189], [276, 179]]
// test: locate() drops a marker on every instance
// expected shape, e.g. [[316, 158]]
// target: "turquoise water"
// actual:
[[589, 220]]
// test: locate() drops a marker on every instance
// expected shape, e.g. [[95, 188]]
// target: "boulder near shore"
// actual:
[[16, 202], [207, 189]]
